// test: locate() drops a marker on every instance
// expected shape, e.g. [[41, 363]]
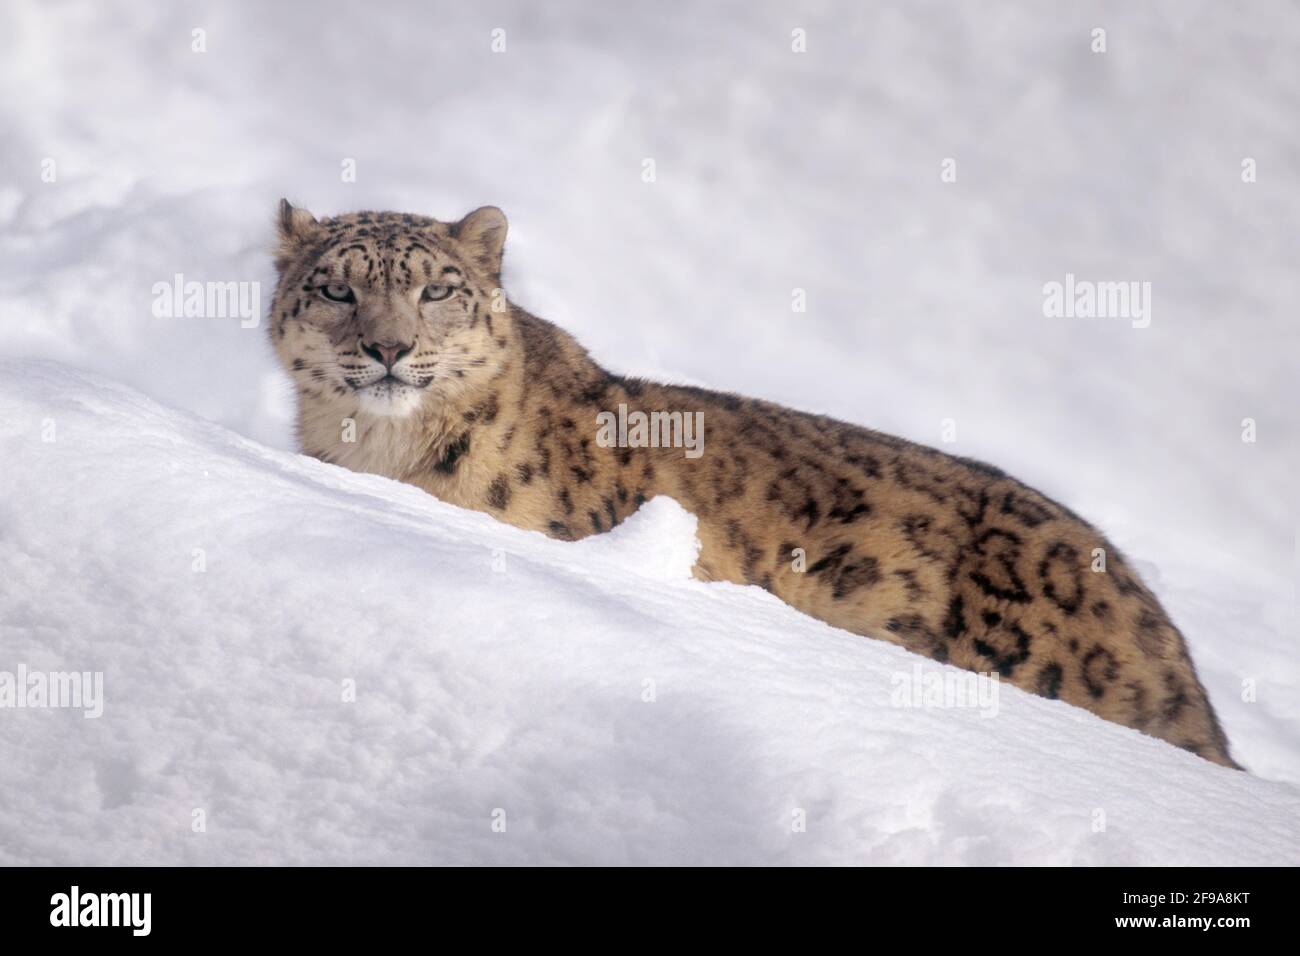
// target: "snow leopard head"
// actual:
[[387, 312]]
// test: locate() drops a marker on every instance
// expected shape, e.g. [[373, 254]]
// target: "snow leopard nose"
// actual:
[[387, 354]]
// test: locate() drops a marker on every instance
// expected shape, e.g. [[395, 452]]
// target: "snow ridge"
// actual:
[[306, 665]]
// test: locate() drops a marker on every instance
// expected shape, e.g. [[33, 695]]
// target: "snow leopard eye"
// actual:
[[337, 292], [436, 293]]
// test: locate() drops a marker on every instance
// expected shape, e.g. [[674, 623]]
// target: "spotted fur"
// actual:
[[492, 408]]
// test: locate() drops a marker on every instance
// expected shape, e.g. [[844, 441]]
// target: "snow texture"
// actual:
[[495, 669], [615, 709]]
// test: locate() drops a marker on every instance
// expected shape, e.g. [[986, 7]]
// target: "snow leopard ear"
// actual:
[[483, 236], [295, 226]]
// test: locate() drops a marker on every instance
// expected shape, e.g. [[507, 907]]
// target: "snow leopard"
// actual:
[[409, 360]]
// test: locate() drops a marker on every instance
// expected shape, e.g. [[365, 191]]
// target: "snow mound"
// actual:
[[658, 540], [303, 665]]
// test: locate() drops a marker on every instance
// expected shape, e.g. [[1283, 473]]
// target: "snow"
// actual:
[[615, 709], [495, 669]]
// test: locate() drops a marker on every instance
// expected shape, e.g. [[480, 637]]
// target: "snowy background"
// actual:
[[498, 670]]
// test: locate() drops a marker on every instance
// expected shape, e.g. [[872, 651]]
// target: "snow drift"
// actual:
[[303, 665]]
